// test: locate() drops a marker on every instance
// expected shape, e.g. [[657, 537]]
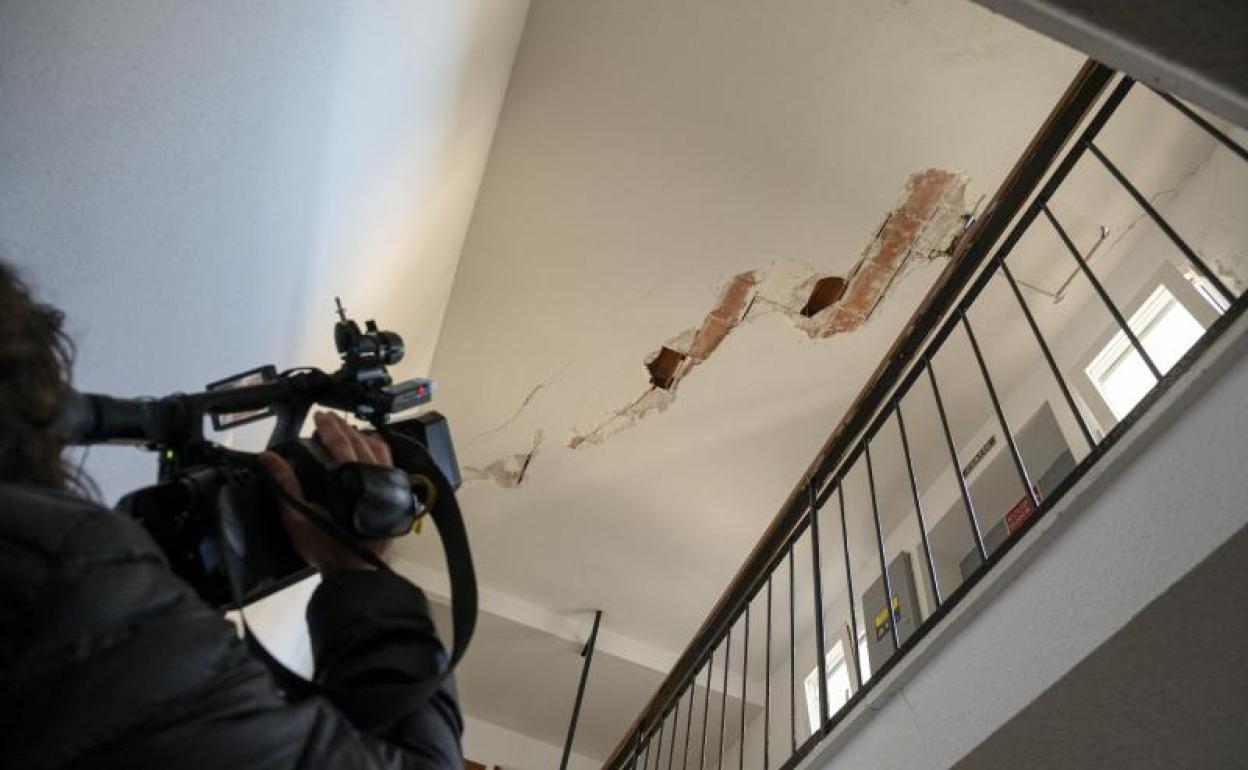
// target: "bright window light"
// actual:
[[840, 681], [1165, 328]]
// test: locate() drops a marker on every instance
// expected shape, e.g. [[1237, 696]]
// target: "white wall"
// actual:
[[193, 182], [1160, 506], [492, 745]]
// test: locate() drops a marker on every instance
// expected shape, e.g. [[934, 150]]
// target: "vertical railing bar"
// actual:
[[657, 744], [658, 754], [957, 464], [671, 746], [1048, 356], [671, 752], [1100, 291], [819, 637], [918, 506], [745, 672], [1165, 227], [1017, 456], [849, 587], [767, 685], [879, 542], [723, 703], [706, 708], [645, 758], [693, 688], [588, 654], [792, 656], [1211, 129]]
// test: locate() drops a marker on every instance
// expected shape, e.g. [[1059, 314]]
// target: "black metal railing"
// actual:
[[677, 728]]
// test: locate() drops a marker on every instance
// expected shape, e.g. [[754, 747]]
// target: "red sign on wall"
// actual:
[[1020, 513]]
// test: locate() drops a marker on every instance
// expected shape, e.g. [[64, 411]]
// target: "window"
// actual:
[[1165, 328], [1168, 316], [840, 680]]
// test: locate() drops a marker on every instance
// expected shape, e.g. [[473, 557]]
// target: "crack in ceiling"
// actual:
[[929, 217], [510, 471]]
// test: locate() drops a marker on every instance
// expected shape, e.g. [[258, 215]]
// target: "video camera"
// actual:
[[214, 511]]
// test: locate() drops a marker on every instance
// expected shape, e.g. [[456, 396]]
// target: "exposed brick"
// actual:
[[925, 192], [721, 320]]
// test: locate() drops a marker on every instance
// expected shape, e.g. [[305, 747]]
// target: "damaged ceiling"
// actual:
[[668, 177], [698, 231], [924, 225]]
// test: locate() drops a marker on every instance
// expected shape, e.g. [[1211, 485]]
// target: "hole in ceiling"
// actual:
[[664, 367], [827, 290]]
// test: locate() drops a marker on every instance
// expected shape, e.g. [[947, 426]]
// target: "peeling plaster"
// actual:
[[508, 472], [652, 401], [930, 214]]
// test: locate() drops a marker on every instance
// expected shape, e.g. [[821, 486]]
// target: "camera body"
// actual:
[[214, 511]]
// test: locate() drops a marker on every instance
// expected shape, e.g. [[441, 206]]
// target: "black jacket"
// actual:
[[109, 660]]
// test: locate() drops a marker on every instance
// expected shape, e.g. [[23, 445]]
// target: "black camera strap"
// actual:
[[411, 456]]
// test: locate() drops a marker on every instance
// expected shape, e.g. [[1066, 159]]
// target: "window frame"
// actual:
[[1187, 295], [837, 649]]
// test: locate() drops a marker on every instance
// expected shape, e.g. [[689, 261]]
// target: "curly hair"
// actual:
[[35, 361]]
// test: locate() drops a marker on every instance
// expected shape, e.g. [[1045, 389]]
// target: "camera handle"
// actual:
[[415, 459]]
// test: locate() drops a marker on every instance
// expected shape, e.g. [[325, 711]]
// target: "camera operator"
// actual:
[[109, 660]]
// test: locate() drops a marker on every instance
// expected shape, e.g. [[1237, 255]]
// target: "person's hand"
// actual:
[[345, 444]]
